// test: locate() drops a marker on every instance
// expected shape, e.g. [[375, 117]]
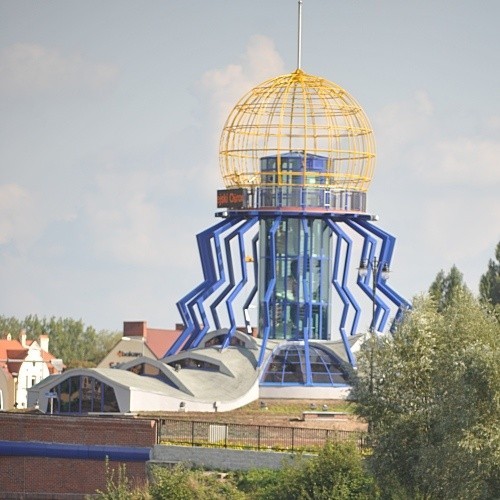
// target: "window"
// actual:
[[194, 364], [149, 370], [84, 394], [289, 366]]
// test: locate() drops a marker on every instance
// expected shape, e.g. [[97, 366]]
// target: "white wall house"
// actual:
[[23, 364]]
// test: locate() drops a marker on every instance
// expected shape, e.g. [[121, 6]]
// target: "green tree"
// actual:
[[489, 284], [434, 401], [446, 288], [76, 344]]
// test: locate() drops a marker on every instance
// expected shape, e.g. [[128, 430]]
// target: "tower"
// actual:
[[297, 157]]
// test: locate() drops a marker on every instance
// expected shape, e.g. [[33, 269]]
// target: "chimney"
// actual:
[[135, 329], [9, 336], [22, 338], [44, 342]]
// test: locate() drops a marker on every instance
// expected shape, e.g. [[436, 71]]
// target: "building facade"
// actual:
[[23, 364]]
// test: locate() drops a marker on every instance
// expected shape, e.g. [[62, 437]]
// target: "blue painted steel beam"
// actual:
[[253, 292], [229, 262], [367, 253], [222, 277], [197, 302], [75, 451], [388, 244], [342, 289], [244, 277], [345, 293], [205, 250], [364, 228], [306, 264], [270, 288], [195, 340]]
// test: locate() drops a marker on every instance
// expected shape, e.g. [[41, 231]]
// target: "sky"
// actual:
[[111, 112]]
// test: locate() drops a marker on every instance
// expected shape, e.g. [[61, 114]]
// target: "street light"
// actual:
[[378, 269]]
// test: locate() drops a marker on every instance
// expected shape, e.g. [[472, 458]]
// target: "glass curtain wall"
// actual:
[[288, 366], [83, 394], [299, 303]]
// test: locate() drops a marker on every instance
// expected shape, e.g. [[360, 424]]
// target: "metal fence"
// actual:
[[253, 437]]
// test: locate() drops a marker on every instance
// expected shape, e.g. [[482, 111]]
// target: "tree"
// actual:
[[435, 402], [76, 344], [446, 288], [489, 284]]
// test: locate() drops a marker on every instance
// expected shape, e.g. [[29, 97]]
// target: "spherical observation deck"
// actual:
[[300, 131]]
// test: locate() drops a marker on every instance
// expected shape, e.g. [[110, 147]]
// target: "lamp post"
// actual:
[[15, 378], [377, 268]]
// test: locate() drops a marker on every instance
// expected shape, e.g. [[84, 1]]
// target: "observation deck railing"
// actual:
[[305, 197]]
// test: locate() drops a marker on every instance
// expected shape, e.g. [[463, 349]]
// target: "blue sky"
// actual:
[[110, 114]]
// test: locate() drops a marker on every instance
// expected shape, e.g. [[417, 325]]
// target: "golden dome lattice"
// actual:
[[298, 113]]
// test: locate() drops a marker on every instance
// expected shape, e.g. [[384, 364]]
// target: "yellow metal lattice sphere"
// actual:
[[298, 113]]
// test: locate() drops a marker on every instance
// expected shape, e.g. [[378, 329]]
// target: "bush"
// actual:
[[337, 473], [118, 486], [181, 483]]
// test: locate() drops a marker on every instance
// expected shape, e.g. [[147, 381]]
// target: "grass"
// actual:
[[292, 408]]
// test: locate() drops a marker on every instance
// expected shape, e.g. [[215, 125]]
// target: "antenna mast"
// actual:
[[299, 37]]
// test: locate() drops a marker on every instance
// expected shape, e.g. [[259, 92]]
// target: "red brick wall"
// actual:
[[40, 477]]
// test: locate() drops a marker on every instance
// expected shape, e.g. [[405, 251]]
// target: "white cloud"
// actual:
[[443, 197], [410, 138], [124, 214], [401, 127], [32, 68], [225, 87]]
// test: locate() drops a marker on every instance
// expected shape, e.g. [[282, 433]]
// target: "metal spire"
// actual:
[[299, 37]]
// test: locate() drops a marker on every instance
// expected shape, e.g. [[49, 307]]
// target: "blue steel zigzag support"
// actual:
[[229, 262], [222, 275], [388, 244], [205, 251], [270, 288], [206, 254], [343, 290], [371, 243], [195, 339], [253, 292], [244, 279]]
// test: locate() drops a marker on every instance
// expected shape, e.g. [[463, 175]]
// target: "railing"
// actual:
[[318, 197], [253, 437]]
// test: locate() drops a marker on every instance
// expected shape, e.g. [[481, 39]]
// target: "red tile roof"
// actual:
[[160, 341], [13, 349]]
